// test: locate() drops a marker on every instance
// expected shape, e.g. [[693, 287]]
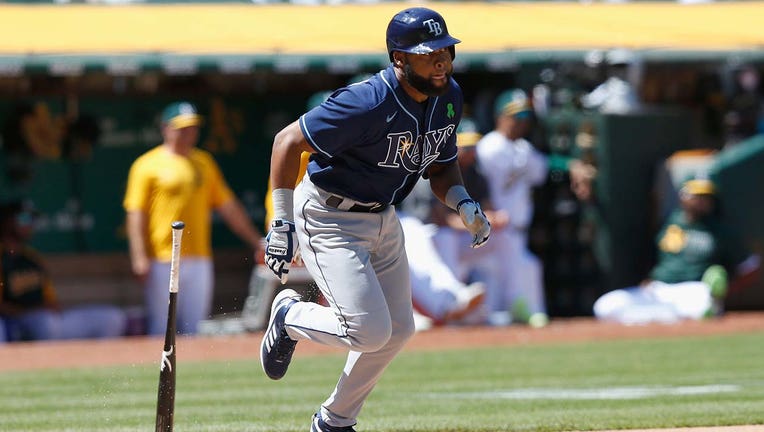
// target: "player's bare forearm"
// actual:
[[288, 145], [443, 177], [136, 235]]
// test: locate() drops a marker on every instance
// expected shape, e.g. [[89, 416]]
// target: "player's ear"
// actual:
[[398, 58]]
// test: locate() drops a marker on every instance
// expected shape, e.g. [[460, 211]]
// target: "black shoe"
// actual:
[[318, 425], [277, 347]]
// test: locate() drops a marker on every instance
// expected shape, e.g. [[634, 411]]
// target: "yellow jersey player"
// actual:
[[178, 181]]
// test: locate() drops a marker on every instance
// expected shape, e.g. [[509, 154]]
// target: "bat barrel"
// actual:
[[166, 391]]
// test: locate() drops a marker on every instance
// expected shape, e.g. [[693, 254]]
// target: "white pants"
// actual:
[[655, 302], [195, 288], [358, 260], [509, 270]]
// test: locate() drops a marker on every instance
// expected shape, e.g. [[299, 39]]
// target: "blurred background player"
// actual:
[[695, 255], [616, 95], [437, 294], [745, 110], [512, 167], [29, 309], [485, 265], [177, 181]]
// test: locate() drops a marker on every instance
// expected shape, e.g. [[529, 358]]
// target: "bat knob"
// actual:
[[178, 225]]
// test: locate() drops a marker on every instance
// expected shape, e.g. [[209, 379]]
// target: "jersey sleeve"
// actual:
[[538, 167], [338, 122], [138, 187]]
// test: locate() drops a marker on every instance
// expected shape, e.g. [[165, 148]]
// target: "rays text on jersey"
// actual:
[[415, 155]]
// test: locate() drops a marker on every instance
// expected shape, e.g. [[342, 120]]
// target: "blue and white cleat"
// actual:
[[277, 347], [319, 425]]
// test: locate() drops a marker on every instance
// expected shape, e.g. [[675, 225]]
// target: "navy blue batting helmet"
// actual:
[[418, 31]]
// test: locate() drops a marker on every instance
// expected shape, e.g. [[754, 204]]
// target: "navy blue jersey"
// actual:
[[373, 141]]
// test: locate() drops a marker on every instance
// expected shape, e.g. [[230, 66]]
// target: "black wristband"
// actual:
[[462, 202]]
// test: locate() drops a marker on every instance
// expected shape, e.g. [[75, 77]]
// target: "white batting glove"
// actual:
[[281, 247], [475, 221]]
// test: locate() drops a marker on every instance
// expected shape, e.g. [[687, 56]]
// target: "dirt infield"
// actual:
[[143, 350]]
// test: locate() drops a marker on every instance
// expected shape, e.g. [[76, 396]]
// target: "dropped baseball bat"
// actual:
[[166, 394]]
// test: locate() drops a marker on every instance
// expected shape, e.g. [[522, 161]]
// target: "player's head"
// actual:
[[618, 61], [697, 196], [467, 137], [513, 113], [467, 134], [619, 57], [180, 124], [16, 220], [419, 44], [179, 115]]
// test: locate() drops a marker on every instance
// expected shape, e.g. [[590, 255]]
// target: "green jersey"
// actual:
[[686, 249], [23, 279]]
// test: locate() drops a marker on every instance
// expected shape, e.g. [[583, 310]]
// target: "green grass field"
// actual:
[[689, 381]]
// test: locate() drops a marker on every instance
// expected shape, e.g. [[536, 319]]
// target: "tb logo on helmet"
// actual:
[[418, 31], [434, 26]]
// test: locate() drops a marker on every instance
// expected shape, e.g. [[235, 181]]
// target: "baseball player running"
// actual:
[[369, 143]]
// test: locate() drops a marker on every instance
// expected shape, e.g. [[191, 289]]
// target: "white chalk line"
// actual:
[[605, 393]]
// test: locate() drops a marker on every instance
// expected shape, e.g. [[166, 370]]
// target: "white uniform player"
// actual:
[[512, 167], [436, 292], [369, 142], [696, 252]]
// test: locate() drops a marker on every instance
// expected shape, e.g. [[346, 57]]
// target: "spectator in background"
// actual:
[[616, 95], [744, 117], [695, 255], [512, 167], [177, 181], [29, 309]]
